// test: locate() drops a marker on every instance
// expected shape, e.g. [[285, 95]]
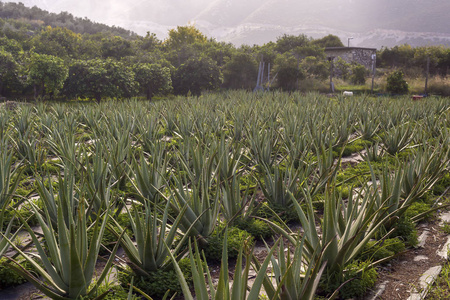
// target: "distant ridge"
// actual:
[[372, 23]]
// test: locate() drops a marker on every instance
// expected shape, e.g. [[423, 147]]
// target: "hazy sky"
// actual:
[[264, 20]]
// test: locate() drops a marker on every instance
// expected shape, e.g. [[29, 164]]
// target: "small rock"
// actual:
[[420, 257]]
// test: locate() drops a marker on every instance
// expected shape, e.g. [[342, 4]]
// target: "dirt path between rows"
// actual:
[[403, 277]]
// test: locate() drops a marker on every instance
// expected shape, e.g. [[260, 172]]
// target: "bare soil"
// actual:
[[402, 273]]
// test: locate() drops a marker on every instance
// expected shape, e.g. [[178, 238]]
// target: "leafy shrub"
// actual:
[[418, 208], [158, 282], [257, 228], [396, 83], [375, 250], [364, 279], [266, 211], [406, 230], [155, 285], [236, 236], [358, 74], [118, 292], [8, 277], [441, 185]]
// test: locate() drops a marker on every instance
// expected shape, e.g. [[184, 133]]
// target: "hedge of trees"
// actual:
[[59, 56]]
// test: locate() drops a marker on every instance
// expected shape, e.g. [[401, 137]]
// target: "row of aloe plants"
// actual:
[[180, 169]]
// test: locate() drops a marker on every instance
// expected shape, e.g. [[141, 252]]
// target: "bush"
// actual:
[[256, 227], [375, 250], [406, 230], [364, 279], [396, 83], [236, 236], [358, 74], [8, 278], [159, 282], [287, 214], [418, 208]]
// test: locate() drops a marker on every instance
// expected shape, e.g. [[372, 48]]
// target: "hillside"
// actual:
[[37, 17], [372, 23]]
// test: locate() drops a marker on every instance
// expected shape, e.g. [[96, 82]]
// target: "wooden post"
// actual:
[[298, 69], [331, 74], [374, 66], [427, 74]]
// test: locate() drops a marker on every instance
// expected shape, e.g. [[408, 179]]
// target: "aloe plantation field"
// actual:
[[170, 199]]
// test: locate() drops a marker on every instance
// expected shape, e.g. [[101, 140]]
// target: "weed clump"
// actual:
[[236, 236]]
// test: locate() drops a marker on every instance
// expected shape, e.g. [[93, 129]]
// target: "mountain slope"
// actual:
[[371, 22]]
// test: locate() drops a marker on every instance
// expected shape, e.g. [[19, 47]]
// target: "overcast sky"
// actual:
[[264, 20]]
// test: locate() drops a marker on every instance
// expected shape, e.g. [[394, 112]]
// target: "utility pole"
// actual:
[[348, 41], [331, 59], [426, 76], [374, 66]]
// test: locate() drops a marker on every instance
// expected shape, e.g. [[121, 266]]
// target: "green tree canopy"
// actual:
[[98, 78], [116, 47], [153, 79], [196, 75], [57, 41], [288, 42], [46, 73], [180, 45], [184, 35], [328, 41], [288, 72], [8, 67], [240, 72]]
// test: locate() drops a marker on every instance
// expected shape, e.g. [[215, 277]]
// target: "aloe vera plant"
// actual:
[[7, 189], [9, 174], [31, 149], [149, 178], [277, 187], [263, 145], [236, 204], [148, 252], [342, 234], [237, 289], [68, 199], [368, 124], [294, 277], [97, 181], [423, 170], [202, 210], [397, 139], [69, 264]]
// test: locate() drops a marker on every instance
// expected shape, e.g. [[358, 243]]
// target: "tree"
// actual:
[[358, 74], [341, 68], [195, 75], [11, 46], [286, 66], [287, 42], [396, 83], [46, 73], [328, 41], [184, 35], [149, 42], [116, 47], [98, 78], [240, 72], [8, 67], [57, 41], [314, 67], [181, 43], [153, 79]]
